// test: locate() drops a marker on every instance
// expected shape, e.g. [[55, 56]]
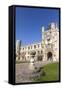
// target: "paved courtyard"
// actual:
[[24, 71]]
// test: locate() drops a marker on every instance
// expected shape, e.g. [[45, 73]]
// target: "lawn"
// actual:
[[51, 73]]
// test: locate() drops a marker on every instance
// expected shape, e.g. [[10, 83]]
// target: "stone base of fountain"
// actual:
[[35, 69], [36, 72]]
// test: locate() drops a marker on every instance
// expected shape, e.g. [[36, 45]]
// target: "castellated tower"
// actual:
[[51, 39], [18, 45]]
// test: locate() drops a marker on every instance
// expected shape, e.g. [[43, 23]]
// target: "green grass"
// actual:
[[51, 73]]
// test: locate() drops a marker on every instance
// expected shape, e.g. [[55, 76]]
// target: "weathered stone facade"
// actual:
[[47, 49]]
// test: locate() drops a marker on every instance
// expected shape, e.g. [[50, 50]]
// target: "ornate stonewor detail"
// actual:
[[46, 50]]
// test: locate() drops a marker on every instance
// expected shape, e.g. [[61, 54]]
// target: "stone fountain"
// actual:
[[34, 67]]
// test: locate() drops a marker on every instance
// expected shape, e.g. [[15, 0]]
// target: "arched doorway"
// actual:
[[49, 56]]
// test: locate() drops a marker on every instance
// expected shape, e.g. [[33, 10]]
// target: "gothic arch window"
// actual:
[[28, 47], [41, 51], [34, 46]]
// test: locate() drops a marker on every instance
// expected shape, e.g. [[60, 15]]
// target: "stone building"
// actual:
[[47, 49]]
